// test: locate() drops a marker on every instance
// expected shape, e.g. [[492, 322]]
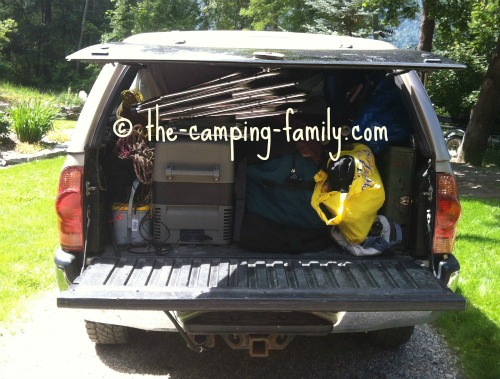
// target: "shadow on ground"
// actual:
[[346, 356]]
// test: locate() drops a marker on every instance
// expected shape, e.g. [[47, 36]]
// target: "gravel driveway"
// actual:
[[52, 343]]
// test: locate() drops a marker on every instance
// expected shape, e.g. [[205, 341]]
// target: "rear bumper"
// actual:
[[342, 322]]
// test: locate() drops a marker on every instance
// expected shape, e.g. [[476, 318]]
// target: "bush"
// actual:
[[32, 119], [4, 128]]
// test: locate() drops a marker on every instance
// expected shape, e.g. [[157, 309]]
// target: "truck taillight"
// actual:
[[447, 214], [69, 208]]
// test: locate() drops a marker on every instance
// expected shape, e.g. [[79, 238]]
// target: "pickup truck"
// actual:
[[166, 225]]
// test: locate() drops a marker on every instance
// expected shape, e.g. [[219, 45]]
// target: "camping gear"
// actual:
[[384, 108], [397, 165], [353, 211], [260, 234], [387, 234], [280, 190], [193, 192]]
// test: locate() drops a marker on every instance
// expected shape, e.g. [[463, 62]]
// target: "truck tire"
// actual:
[[391, 339], [106, 334]]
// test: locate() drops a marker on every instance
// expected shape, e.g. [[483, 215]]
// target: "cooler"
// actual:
[[193, 192]]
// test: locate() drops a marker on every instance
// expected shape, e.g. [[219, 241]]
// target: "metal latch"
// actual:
[[405, 200], [88, 188]]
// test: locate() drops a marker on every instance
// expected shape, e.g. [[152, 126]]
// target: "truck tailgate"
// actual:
[[282, 284]]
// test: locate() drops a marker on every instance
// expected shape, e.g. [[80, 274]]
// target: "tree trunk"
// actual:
[[84, 19], [82, 31], [427, 25], [46, 12], [477, 133]]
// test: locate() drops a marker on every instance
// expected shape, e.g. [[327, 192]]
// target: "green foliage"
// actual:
[[132, 16], [12, 93], [4, 127], [165, 15], [6, 27], [456, 91], [68, 98], [224, 14], [467, 32], [343, 17], [121, 20], [476, 331], [48, 31], [357, 17], [288, 15], [32, 119]]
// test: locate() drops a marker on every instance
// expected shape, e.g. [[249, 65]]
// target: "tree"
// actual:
[[340, 17], [467, 32], [48, 30], [224, 14], [427, 24], [121, 20], [6, 27], [476, 136], [138, 16], [165, 15], [358, 17], [287, 15]]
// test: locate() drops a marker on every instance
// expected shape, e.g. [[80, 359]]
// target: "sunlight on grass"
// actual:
[[476, 331], [11, 93], [28, 232], [62, 131], [30, 148]]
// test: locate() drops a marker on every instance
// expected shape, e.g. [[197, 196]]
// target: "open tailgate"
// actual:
[[284, 284]]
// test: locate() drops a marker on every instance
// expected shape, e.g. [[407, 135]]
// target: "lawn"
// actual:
[[476, 331], [28, 232], [11, 93]]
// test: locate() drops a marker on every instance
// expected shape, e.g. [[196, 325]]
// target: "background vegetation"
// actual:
[[36, 35]]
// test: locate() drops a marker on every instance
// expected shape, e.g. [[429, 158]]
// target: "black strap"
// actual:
[[240, 195]]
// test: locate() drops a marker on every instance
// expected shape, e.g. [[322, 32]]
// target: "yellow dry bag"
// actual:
[[353, 211]]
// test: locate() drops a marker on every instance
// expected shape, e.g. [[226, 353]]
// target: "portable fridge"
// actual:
[[192, 192]]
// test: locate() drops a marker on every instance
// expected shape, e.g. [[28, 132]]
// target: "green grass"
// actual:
[[476, 331], [11, 94], [28, 233], [61, 131]]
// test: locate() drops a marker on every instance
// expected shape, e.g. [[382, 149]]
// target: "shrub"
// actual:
[[32, 119], [4, 127]]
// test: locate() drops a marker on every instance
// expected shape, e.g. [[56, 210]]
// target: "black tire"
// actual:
[[106, 334], [391, 339], [453, 144]]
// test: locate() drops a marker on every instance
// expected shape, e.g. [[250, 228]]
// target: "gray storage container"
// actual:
[[193, 192]]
